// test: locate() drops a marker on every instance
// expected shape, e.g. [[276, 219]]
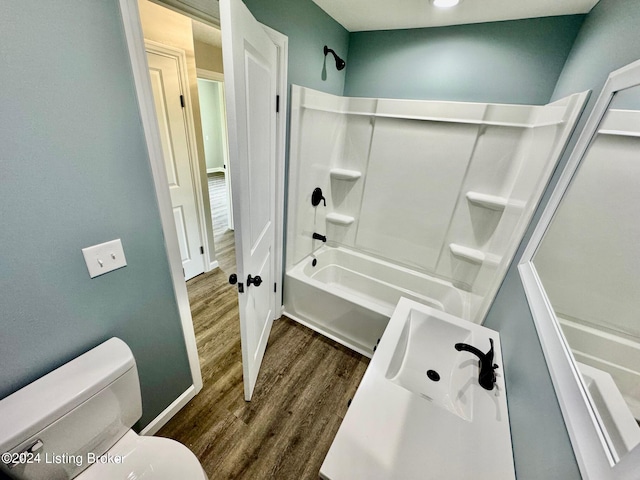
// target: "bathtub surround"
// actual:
[[434, 194]]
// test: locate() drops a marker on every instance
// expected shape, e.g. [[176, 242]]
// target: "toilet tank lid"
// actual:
[[34, 407]]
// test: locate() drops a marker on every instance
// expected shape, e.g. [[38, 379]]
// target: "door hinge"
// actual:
[[275, 287], [277, 103], [182, 101], [201, 250], [240, 288], [184, 274]]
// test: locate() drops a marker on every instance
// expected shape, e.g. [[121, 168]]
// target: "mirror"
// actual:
[[581, 273], [589, 265]]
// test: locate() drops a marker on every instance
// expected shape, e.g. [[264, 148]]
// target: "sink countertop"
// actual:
[[390, 432]]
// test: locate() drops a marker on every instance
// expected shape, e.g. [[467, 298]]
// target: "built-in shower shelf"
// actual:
[[470, 254], [492, 202], [474, 255], [343, 174], [339, 219]]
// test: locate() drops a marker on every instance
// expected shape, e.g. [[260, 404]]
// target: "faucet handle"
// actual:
[[317, 197]]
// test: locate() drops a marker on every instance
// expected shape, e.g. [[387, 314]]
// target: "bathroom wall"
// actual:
[[207, 45], [516, 61], [75, 173], [309, 29], [208, 57], [607, 40]]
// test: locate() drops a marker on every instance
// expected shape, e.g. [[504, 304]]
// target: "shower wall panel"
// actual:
[[415, 172], [444, 188]]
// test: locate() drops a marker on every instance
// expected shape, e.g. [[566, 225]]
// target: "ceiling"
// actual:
[[360, 15]]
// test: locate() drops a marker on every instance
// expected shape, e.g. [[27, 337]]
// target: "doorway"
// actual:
[[214, 133], [193, 133], [132, 13]]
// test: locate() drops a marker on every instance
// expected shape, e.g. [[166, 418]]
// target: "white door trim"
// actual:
[[210, 75], [282, 44], [142, 81], [181, 58]]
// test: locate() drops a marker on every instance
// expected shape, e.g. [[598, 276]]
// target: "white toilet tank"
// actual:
[[56, 426]]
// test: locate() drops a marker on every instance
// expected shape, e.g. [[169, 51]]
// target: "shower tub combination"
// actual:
[[349, 296], [424, 200]]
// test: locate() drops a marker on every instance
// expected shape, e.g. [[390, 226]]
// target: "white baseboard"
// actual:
[[216, 170], [213, 265], [168, 413]]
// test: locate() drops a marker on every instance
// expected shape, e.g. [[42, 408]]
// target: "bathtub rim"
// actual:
[[297, 271]]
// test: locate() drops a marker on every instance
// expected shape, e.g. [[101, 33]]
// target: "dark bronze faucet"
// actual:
[[487, 377], [317, 236]]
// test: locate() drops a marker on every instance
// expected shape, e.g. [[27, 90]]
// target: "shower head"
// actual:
[[340, 63]]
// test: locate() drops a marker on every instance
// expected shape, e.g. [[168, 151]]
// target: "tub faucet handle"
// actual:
[[316, 196]]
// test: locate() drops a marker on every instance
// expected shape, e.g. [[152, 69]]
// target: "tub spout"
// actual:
[[317, 236]]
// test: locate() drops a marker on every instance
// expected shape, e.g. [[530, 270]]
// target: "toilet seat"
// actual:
[[146, 458]]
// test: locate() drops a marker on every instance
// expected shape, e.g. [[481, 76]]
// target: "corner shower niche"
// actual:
[[426, 200]]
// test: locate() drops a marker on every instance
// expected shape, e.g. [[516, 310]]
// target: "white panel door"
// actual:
[[250, 69], [167, 91]]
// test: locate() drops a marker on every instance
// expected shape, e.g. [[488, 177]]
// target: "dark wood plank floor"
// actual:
[[299, 401]]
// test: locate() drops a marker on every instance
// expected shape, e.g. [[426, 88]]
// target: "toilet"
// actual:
[[76, 423]]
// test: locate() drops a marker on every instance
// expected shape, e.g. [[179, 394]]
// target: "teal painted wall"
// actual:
[[309, 29], [504, 62], [209, 96], [75, 173], [607, 40]]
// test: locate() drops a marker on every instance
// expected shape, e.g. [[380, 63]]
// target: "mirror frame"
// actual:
[[594, 457]]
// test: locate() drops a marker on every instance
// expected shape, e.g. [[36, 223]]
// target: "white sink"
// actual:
[[403, 423], [425, 362]]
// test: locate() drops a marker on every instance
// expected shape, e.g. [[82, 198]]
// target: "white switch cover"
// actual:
[[104, 258]]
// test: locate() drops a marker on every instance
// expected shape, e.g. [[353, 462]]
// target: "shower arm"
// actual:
[[340, 63]]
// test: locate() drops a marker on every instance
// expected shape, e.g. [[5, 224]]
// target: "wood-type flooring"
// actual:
[[299, 400]]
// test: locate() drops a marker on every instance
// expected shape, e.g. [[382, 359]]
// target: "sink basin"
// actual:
[[425, 362], [406, 424]]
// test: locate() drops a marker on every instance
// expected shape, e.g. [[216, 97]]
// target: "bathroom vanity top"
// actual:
[[420, 412]]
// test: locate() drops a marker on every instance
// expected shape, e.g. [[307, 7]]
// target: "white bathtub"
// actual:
[[349, 296], [610, 352]]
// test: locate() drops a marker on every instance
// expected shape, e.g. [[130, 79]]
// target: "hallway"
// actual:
[[223, 237]]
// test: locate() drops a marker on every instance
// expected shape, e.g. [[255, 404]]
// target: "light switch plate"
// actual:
[[104, 258]]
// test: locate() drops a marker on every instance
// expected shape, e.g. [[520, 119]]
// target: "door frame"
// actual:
[[180, 57], [136, 48], [281, 42], [203, 74]]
